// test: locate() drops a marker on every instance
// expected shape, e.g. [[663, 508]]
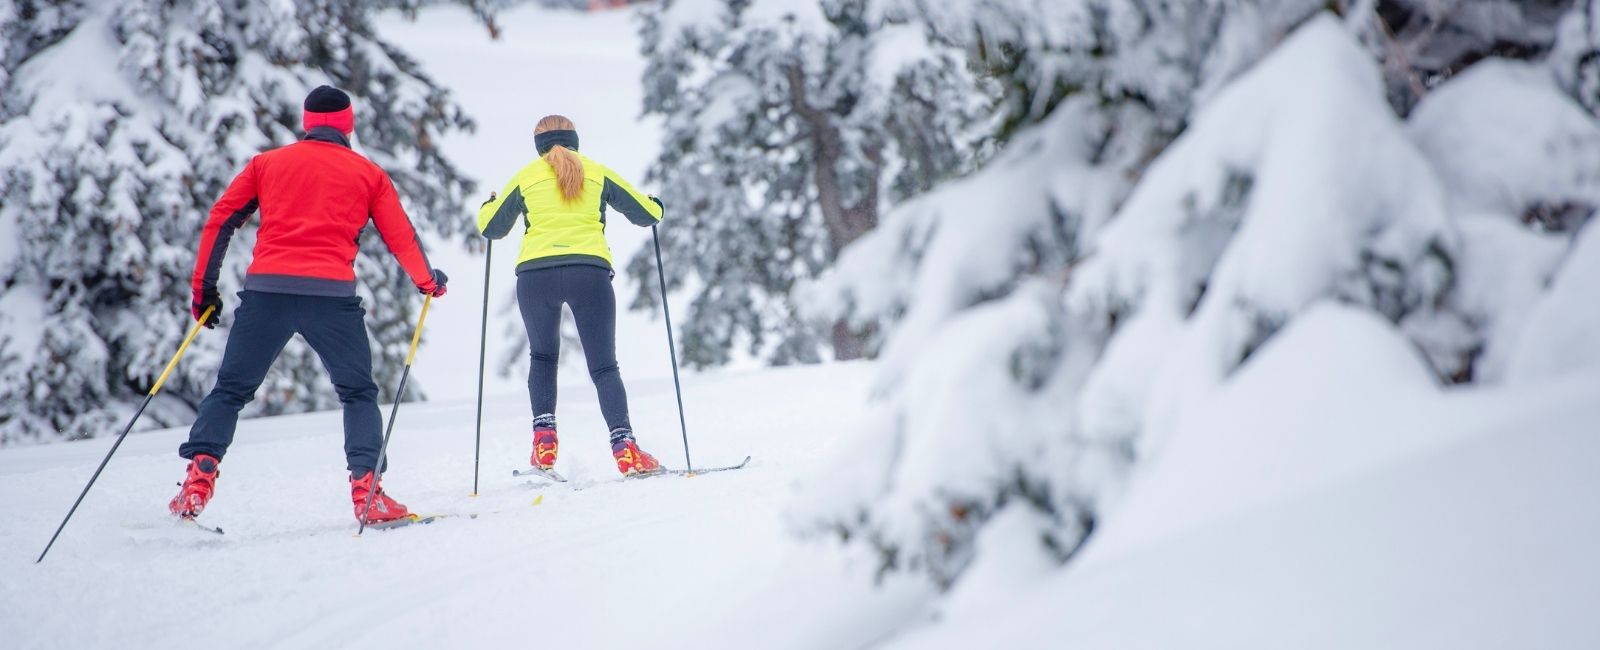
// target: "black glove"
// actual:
[[208, 298], [435, 287]]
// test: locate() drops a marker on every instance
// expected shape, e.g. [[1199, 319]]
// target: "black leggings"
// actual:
[[587, 289]]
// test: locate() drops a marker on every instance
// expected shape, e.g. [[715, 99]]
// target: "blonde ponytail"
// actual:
[[569, 171], [567, 165]]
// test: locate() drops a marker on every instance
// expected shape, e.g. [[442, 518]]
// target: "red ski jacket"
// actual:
[[315, 198]]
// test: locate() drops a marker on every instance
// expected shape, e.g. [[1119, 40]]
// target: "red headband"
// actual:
[[343, 120]]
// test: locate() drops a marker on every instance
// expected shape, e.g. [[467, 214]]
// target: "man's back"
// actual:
[[315, 197]]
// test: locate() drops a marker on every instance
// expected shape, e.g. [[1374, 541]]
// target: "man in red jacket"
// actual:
[[315, 198]]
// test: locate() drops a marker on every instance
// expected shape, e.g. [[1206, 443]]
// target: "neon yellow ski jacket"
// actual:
[[561, 232]]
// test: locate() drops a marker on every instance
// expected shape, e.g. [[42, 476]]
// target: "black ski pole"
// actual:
[[383, 450], [483, 347], [148, 396], [672, 347]]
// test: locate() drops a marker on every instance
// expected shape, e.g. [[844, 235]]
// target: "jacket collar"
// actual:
[[327, 134]]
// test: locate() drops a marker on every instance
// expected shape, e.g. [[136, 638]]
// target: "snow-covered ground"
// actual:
[[667, 562], [1331, 496]]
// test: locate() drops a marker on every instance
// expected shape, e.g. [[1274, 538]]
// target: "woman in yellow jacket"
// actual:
[[561, 199]]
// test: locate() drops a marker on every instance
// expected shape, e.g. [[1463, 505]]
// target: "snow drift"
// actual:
[[1296, 200]]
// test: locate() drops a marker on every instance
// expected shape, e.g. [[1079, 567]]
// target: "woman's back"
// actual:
[[561, 230], [562, 198]]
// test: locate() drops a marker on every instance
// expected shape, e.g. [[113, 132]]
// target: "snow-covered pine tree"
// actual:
[[789, 126], [1422, 43], [1188, 191], [121, 122]]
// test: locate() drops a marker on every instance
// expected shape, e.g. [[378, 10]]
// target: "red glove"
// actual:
[[435, 287]]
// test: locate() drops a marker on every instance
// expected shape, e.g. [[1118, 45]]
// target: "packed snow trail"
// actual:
[[595, 568]]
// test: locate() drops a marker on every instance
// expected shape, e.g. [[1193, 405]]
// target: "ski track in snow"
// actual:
[[679, 561]]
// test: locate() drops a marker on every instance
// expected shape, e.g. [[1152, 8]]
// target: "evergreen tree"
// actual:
[[1176, 187], [121, 123], [789, 126]]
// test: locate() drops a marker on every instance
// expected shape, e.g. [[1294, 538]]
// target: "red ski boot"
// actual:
[[383, 507], [197, 487], [545, 444], [631, 460]]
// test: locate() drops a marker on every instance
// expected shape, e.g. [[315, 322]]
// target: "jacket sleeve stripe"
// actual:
[[636, 207], [219, 246], [399, 235], [497, 217]]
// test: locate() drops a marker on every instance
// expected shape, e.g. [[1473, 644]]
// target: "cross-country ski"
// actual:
[[540, 472], [409, 520], [191, 523], [553, 476], [799, 324]]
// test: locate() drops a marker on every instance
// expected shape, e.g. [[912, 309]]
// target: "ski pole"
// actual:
[[672, 347], [483, 347], [148, 396], [383, 450]]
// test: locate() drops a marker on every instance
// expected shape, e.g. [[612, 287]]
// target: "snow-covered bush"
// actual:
[[1035, 355], [120, 123], [789, 125], [1518, 195], [1422, 43], [1562, 330]]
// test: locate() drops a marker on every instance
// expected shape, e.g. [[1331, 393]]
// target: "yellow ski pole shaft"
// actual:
[[383, 450], [193, 331]]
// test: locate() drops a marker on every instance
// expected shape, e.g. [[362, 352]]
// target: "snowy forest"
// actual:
[[1060, 323]]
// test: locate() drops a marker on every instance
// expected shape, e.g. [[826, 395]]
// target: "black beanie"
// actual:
[[327, 99]]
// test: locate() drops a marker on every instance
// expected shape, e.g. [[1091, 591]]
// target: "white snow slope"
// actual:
[[1329, 497], [664, 562]]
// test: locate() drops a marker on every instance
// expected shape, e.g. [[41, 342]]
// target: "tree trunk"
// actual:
[[845, 224]]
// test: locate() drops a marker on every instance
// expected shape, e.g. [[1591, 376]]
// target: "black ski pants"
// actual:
[[587, 290], [262, 325]]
